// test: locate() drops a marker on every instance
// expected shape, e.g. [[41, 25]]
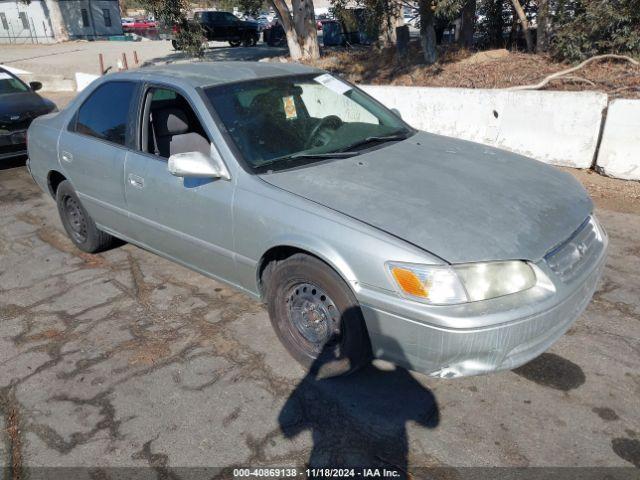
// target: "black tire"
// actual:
[[175, 45], [340, 351], [79, 226]]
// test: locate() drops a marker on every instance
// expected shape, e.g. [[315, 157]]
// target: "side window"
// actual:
[[230, 18], [105, 113], [85, 17], [171, 126], [106, 14]]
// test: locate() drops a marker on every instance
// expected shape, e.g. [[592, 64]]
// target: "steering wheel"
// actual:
[[315, 139]]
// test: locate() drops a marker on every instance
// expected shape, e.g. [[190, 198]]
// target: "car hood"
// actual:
[[24, 104], [461, 201]]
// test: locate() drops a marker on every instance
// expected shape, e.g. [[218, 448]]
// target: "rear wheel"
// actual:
[[316, 316], [79, 226]]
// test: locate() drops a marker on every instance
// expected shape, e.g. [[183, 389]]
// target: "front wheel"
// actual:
[[316, 316], [79, 226]]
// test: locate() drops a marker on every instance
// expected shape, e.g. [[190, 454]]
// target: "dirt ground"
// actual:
[[610, 193], [487, 69]]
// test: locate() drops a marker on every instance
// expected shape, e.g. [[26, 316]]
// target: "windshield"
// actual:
[[10, 84], [282, 122]]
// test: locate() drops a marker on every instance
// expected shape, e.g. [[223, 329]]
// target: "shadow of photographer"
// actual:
[[359, 420]]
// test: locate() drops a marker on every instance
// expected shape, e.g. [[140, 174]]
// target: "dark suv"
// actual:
[[226, 27]]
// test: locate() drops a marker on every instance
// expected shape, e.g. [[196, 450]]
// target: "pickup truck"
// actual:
[[226, 27]]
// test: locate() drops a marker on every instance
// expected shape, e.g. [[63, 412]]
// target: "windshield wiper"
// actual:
[[368, 140], [288, 160], [339, 154]]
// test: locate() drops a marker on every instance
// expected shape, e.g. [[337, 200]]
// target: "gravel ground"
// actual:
[[82, 56]]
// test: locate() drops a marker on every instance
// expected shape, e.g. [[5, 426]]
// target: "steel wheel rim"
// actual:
[[75, 219], [313, 315]]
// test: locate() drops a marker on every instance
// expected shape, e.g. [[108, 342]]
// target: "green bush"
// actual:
[[592, 27]]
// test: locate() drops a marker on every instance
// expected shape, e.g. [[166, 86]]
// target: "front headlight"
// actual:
[[449, 285]]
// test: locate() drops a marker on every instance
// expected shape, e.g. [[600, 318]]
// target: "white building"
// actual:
[[48, 21]]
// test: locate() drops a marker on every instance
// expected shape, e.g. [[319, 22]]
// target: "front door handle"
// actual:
[[67, 157], [136, 181]]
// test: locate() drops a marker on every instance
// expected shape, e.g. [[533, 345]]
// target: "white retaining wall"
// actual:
[[560, 128], [619, 154]]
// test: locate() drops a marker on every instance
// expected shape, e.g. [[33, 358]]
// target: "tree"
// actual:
[[252, 7], [300, 28], [584, 28], [524, 23], [491, 21], [467, 24], [442, 11], [544, 26], [428, 31], [190, 35]]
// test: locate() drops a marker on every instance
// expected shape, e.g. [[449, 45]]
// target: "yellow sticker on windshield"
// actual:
[[290, 108]]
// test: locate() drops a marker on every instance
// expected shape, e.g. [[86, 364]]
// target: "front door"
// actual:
[[93, 149], [186, 219]]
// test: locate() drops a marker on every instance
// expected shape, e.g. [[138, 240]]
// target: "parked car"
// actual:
[[362, 235], [274, 35], [321, 20], [263, 22], [19, 105], [226, 27], [144, 28]]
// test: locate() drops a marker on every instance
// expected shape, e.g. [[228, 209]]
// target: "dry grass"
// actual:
[[462, 68]]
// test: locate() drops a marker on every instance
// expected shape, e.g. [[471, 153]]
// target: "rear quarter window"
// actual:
[[105, 114]]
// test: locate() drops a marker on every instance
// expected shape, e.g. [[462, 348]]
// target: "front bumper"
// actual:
[[13, 144], [472, 339]]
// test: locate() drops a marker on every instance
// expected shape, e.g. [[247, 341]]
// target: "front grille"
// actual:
[[571, 258]]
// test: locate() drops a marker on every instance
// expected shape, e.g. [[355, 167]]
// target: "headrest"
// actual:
[[170, 121]]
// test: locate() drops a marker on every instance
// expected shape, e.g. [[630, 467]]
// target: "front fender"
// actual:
[[266, 217]]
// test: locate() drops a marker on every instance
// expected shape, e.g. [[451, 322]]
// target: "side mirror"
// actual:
[[397, 112], [198, 165], [35, 86]]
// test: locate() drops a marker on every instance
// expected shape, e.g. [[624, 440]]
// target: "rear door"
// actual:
[[186, 219], [93, 148]]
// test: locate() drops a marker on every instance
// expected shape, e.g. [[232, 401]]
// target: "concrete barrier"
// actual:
[[619, 154], [83, 80], [561, 128]]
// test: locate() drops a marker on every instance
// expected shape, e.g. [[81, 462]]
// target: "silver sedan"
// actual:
[[365, 237]]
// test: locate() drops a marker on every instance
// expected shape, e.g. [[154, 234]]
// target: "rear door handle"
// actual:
[[67, 157], [136, 181]]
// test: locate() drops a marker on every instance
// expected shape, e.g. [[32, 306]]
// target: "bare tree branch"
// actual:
[[544, 82]]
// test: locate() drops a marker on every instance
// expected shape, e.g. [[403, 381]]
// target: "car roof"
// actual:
[[206, 74]]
